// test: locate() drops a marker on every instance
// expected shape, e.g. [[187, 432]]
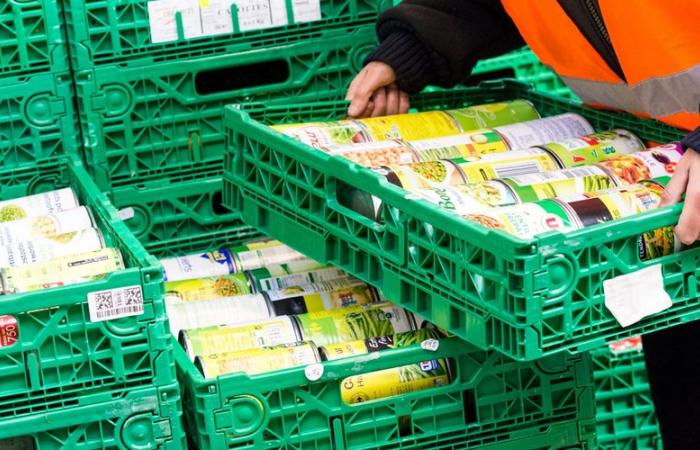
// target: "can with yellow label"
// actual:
[[229, 285], [341, 350]]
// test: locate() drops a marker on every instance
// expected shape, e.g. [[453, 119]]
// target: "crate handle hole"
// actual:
[[245, 76]]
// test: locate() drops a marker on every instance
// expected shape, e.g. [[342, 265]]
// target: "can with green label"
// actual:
[[588, 150], [494, 114]]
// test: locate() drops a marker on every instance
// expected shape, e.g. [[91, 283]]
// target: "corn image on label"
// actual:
[[375, 154], [396, 381], [223, 339], [198, 265], [259, 360], [218, 311], [508, 164], [414, 177], [44, 249], [542, 131], [229, 285], [326, 134], [494, 114], [38, 205]]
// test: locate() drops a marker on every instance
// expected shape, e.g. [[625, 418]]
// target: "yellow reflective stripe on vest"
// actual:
[[658, 97]]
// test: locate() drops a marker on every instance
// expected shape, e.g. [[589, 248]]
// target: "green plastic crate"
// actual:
[[145, 418], [160, 121], [32, 39], [525, 299], [60, 355], [522, 65], [625, 410], [106, 32], [37, 118], [494, 403]]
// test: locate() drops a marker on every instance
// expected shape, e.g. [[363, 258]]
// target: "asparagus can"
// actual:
[[255, 255], [471, 198], [229, 285], [655, 162], [198, 265], [508, 164], [327, 295], [270, 279], [38, 205], [258, 360], [494, 114], [353, 323], [528, 219], [395, 381], [224, 311], [588, 150], [48, 226], [542, 131], [62, 271], [44, 249], [341, 350], [539, 186], [224, 339]]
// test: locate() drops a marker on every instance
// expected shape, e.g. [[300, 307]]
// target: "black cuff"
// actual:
[[409, 58], [692, 140]]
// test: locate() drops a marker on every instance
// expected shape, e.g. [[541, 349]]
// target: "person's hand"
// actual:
[[686, 179], [374, 93]]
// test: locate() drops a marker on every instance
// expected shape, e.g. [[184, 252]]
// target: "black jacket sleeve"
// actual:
[[692, 140], [439, 41]]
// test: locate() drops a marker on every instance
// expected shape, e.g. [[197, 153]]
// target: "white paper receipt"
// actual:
[[636, 295], [115, 303]]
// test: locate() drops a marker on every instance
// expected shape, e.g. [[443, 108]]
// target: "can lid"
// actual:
[[199, 365], [296, 326], [316, 351], [569, 211], [553, 155], [252, 281], [268, 303]]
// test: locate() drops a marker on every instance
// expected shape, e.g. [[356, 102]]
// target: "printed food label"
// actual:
[[115, 303], [9, 331], [544, 131], [508, 164]]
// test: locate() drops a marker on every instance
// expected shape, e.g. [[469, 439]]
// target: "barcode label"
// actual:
[[115, 303], [516, 169]]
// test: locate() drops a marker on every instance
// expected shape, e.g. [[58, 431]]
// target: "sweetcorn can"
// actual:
[[229, 285], [588, 150], [45, 227], [225, 339], [38, 205], [72, 269], [321, 296], [258, 360], [542, 131], [44, 249], [355, 322], [508, 164], [198, 265], [224, 311], [413, 177]]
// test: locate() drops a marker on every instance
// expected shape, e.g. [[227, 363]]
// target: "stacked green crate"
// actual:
[[151, 106], [625, 410]]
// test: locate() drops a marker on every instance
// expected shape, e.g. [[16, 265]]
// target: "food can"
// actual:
[[272, 278], [508, 164], [38, 205], [44, 249], [538, 186], [48, 226], [199, 289], [327, 295], [655, 162], [375, 154], [528, 219], [465, 145], [258, 360], [224, 311], [255, 255], [341, 350], [657, 243], [198, 265], [62, 271], [542, 131], [413, 177], [395, 381], [355, 322], [494, 114], [588, 150], [325, 134], [410, 127], [225, 339], [471, 198]]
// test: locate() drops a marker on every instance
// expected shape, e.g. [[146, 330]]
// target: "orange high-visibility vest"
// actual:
[[656, 42]]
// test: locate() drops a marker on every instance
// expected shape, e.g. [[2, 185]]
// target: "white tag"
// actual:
[[431, 345], [126, 213], [115, 303], [313, 372], [163, 24], [634, 296]]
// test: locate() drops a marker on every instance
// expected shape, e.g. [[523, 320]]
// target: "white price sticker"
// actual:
[[115, 303], [313, 372], [432, 345], [637, 295]]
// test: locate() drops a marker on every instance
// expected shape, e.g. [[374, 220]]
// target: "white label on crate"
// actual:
[[313, 372], [163, 22], [431, 345], [126, 213], [115, 303], [636, 295]]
